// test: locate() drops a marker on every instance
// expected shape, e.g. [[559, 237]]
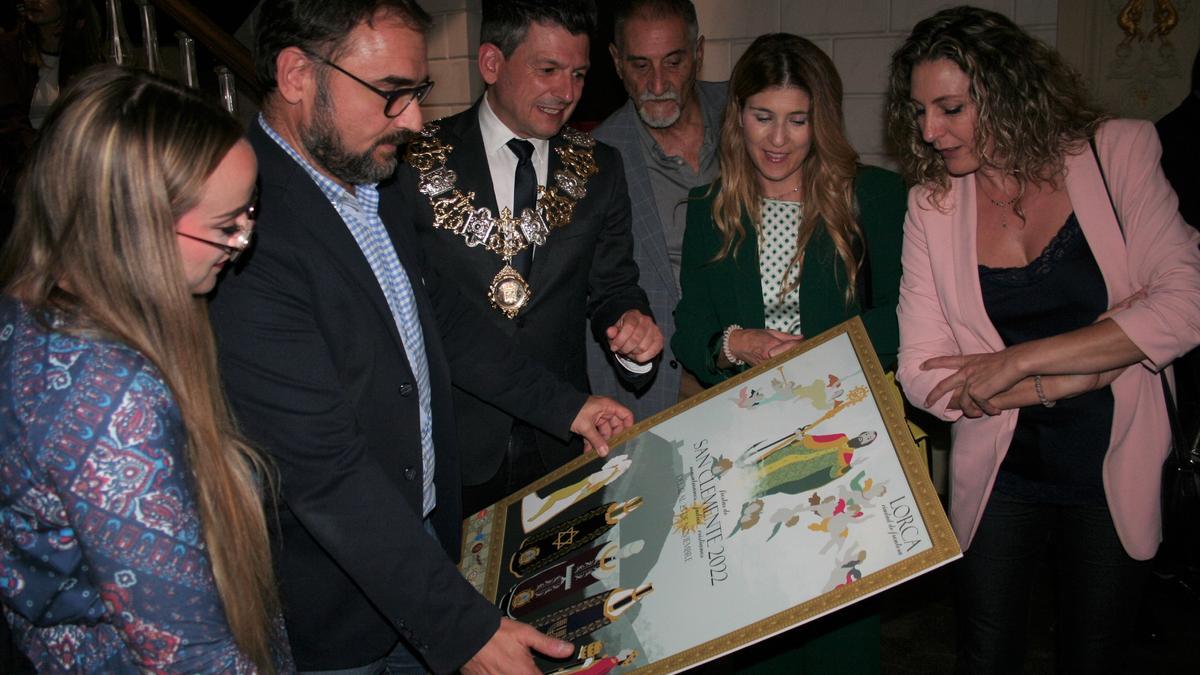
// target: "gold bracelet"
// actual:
[[1037, 386]]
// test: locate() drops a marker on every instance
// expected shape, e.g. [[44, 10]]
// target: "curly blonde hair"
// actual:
[[1033, 108]]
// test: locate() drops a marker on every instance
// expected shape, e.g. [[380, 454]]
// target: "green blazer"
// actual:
[[717, 294]]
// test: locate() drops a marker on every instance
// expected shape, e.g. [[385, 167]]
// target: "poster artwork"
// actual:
[[779, 496]]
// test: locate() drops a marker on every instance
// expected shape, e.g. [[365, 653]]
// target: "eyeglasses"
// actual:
[[241, 241], [241, 238], [398, 100]]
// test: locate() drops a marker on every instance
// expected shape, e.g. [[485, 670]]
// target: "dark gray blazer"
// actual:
[[650, 253]]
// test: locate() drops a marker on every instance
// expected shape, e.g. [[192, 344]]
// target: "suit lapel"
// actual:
[[469, 160], [747, 288], [544, 255], [297, 189], [1085, 187], [404, 241], [638, 179], [962, 225]]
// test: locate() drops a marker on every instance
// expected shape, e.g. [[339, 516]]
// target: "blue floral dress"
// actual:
[[103, 566]]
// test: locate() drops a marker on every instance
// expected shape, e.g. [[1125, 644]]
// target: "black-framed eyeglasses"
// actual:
[[398, 100]]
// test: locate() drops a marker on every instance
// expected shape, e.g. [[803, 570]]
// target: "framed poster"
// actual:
[[763, 503]]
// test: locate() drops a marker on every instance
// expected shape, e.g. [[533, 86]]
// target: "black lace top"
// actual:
[[1056, 453]]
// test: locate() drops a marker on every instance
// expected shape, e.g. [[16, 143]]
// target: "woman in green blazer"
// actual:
[[794, 238], [830, 229]]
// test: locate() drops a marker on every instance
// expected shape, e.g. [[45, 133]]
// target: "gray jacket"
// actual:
[[650, 253]]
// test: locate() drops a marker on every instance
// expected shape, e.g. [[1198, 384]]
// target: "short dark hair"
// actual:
[[624, 10], [319, 26], [505, 22]]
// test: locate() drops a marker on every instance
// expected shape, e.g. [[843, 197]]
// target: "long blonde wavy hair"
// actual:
[[122, 156], [827, 173], [1033, 108]]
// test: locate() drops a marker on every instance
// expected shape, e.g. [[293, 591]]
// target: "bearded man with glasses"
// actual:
[[338, 344]]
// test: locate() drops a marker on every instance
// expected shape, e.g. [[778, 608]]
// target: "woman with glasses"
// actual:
[[132, 534]]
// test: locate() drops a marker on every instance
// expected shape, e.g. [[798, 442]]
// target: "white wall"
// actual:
[[859, 35], [453, 47]]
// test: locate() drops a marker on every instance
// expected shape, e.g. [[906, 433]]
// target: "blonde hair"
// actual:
[[1034, 109], [827, 173], [99, 249]]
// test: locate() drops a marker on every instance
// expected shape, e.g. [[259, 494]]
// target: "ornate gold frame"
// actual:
[[944, 545]]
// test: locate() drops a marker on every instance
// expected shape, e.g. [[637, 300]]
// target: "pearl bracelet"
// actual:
[[1041, 394], [725, 345]]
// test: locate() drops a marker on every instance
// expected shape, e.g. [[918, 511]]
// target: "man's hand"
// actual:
[[635, 336], [507, 653], [599, 419]]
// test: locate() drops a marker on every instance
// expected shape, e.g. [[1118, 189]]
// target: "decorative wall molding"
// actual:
[[1135, 54]]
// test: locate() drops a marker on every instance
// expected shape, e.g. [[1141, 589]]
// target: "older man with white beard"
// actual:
[[667, 134]]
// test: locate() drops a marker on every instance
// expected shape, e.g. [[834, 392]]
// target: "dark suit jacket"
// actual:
[[584, 270], [318, 377]]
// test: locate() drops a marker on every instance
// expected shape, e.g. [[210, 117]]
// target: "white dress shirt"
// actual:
[[501, 161], [502, 164]]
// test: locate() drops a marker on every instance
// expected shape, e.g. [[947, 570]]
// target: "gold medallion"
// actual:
[[506, 234], [509, 293]]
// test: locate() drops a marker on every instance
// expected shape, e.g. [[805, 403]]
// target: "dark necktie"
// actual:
[[524, 196]]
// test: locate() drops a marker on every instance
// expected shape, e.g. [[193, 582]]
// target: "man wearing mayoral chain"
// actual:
[[531, 220]]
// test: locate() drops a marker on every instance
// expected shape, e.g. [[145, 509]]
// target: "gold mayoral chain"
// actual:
[[506, 235]]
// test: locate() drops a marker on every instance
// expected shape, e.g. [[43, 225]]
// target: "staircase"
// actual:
[[194, 43]]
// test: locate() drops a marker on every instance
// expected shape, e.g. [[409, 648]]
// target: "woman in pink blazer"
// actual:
[[1037, 323]]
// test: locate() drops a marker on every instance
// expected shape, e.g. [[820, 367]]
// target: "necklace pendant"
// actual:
[[506, 234], [509, 291]]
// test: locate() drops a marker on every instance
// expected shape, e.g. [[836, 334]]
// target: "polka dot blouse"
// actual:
[[776, 248]]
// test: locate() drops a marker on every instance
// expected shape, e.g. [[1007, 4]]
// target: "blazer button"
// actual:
[[406, 389], [673, 363], [410, 473]]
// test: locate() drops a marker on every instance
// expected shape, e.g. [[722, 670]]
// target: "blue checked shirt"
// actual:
[[360, 212]]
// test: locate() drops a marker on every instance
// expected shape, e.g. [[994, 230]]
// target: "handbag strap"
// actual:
[[1177, 445], [1172, 411], [1104, 179]]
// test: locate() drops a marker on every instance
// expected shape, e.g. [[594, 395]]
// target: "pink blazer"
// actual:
[[941, 312]]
